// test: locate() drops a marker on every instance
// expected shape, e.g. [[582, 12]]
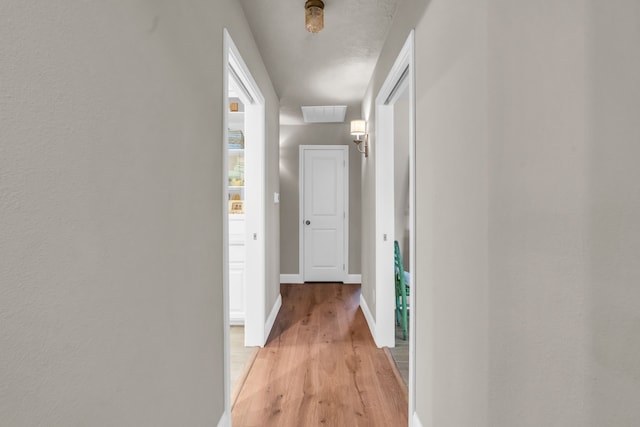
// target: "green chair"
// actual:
[[402, 290]]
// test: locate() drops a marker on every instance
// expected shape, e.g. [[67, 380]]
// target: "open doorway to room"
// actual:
[[402, 232], [241, 355], [244, 159], [395, 215]]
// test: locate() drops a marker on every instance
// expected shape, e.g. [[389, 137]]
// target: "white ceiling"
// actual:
[[332, 67]]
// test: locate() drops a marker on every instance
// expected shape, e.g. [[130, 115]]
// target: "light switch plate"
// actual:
[[276, 197]]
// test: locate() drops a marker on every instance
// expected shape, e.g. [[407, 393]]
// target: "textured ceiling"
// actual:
[[332, 67]]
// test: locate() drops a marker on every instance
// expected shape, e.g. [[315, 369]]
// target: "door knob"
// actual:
[[307, 222]]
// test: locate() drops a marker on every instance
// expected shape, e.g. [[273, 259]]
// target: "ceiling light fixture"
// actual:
[[314, 15]]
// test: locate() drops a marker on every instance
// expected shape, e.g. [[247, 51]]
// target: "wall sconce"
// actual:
[[359, 129]]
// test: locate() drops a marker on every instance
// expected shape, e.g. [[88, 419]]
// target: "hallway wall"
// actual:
[[291, 138], [528, 197], [451, 206], [565, 201], [613, 201], [539, 182], [111, 210]]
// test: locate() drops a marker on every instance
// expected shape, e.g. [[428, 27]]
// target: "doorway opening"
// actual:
[[402, 232], [244, 213], [395, 222]]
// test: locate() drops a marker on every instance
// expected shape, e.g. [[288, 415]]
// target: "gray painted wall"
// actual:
[[613, 202], [539, 183], [111, 204], [291, 138], [451, 210], [527, 205], [564, 208], [528, 198]]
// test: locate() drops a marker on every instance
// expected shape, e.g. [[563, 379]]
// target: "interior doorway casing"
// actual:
[[255, 274], [301, 184], [401, 78]]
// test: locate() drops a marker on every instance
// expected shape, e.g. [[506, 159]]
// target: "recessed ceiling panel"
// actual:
[[324, 113]]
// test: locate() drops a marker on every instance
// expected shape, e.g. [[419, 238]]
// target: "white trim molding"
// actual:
[[272, 318], [224, 420], [236, 319], [369, 318], [291, 278], [354, 279], [416, 420], [297, 278]]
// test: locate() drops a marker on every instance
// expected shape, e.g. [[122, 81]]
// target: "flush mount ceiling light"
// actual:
[[314, 15]]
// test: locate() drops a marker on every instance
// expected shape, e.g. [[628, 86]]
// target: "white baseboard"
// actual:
[[416, 420], [291, 278], [272, 317], [354, 278], [224, 420], [297, 278], [369, 317], [236, 318]]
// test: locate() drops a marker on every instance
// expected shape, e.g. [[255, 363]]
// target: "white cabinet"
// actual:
[[236, 269]]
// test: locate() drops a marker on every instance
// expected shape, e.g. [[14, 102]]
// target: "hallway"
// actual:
[[321, 366], [114, 263]]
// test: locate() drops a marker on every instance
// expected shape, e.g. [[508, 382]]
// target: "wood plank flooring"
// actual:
[[321, 367], [241, 358], [400, 354]]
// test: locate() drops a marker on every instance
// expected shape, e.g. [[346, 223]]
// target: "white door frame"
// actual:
[[255, 272], [301, 175], [401, 77]]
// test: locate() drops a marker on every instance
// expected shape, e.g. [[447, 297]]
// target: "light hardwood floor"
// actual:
[[321, 367], [400, 354], [241, 359]]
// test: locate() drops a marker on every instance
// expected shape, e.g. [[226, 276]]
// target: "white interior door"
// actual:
[[324, 212]]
